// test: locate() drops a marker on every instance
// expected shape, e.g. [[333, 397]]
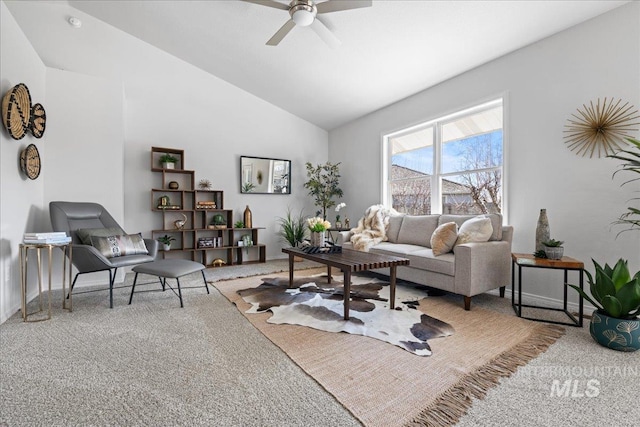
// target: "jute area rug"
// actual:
[[383, 385]]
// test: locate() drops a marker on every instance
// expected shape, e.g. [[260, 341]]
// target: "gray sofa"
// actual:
[[472, 269]]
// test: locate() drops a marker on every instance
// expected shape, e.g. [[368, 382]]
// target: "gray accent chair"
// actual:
[[72, 216]]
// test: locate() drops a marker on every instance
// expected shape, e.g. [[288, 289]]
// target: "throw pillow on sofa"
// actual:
[[85, 234], [115, 246], [444, 238], [478, 229]]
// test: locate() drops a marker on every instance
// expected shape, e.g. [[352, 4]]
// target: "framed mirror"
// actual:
[[262, 175]]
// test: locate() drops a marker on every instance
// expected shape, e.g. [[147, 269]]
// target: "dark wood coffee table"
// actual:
[[350, 261]]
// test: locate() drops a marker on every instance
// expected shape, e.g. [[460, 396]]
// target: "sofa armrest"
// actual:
[[480, 267], [344, 236]]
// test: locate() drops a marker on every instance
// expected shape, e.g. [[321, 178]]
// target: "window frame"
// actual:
[[437, 176]]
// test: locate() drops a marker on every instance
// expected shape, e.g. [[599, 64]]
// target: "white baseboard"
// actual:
[[533, 299]]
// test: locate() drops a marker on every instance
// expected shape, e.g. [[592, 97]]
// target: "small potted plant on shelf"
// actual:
[[218, 222], [616, 296], [166, 241], [238, 224], [168, 161], [553, 248]]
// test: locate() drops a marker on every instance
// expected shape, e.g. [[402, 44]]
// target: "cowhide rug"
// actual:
[[315, 304]]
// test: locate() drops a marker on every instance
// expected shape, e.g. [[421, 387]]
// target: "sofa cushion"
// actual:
[[395, 222], [477, 229], [444, 238], [496, 222], [417, 230]]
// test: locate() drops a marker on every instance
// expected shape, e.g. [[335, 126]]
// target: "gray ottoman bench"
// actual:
[[169, 268]]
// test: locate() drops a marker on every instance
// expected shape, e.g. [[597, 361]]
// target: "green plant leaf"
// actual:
[[612, 306], [620, 275], [587, 297], [629, 297]]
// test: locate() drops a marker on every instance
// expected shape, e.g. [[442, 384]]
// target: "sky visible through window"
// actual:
[[454, 154]]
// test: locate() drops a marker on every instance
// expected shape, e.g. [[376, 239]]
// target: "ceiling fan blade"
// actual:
[[281, 33], [337, 6], [269, 3], [325, 34]]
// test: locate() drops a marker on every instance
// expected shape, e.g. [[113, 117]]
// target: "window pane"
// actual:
[[413, 151], [476, 152], [412, 195], [472, 193]]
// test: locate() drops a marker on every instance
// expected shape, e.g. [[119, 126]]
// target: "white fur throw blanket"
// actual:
[[372, 227]]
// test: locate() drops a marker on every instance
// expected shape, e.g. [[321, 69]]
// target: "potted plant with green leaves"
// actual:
[[292, 228], [616, 296], [553, 248], [218, 222], [323, 185], [166, 241], [168, 161]]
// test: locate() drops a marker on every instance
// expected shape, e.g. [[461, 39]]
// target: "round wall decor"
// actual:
[[599, 129], [30, 161], [38, 120], [16, 111]]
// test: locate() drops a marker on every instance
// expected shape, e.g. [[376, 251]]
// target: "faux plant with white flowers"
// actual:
[[318, 224], [340, 206]]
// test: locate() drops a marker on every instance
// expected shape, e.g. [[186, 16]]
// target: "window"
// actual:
[[450, 165]]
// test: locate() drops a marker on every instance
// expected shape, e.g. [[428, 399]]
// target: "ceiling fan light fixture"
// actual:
[[303, 14]]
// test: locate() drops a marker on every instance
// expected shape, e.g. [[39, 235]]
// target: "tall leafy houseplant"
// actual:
[[631, 157], [323, 185], [292, 228]]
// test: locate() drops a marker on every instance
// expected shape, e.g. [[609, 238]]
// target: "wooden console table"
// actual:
[[565, 263], [350, 261]]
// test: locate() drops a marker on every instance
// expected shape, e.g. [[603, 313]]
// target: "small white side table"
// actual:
[[24, 262]]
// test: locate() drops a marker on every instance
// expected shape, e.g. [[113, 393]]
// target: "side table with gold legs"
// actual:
[[24, 263]]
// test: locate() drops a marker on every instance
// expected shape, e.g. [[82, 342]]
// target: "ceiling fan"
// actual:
[[304, 14]]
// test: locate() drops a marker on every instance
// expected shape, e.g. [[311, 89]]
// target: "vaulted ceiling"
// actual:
[[389, 51]]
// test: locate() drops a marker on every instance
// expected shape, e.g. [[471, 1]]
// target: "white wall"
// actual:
[[113, 97], [545, 83], [21, 199]]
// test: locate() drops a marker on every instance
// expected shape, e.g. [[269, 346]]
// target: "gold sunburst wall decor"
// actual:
[[600, 128]]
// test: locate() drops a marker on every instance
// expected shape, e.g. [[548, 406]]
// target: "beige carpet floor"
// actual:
[[383, 385]]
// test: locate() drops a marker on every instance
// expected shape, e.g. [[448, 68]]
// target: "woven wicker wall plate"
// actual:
[[30, 161], [16, 111], [38, 120]]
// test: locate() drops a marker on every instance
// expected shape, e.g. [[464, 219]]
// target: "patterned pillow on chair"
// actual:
[[120, 245]]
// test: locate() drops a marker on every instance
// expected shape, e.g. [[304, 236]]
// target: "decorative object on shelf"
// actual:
[[207, 242], [259, 177], [292, 228], [616, 296], [238, 224], [317, 238], [247, 242], [248, 221], [553, 248], [38, 121], [217, 262], [16, 111], [179, 223], [631, 217], [542, 230], [166, 241], [323, 185], [218, 222], [164, 201], [338, 224], [30, 161], [600, 128], [205, 205], [205, 184], [168, 161], [173, 185], [346, 223]]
